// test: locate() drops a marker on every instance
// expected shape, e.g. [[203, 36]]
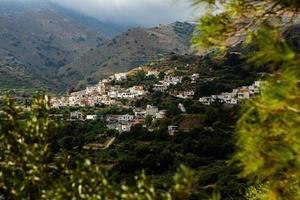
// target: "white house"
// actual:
[[253, 90], [126, 118], [226, 97], [173, 80], [113, 94], [91, 90], [103, 81], [140, 114], [56, 102], [76, 115], [137, 90], [233, 101], [100, 88], [244, 93], [172, 130], [195, 77], [153, 73], [108, 101], [161, 114], [186, 94], [206, 100], [112, 118], [126, 95], [79, 94], [125, 128], [91, 117], [93, 101]]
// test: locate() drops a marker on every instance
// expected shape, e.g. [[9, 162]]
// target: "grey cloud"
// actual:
[[135, 12]]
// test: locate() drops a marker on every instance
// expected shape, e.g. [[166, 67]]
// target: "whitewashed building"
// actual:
[[172, 130], [153, 73], [91, 117], [195, 77], [126, 118], [161, 114], [186, 94], [137, 90], [172, 80], [76, 115], [243, 93], [206, 100]]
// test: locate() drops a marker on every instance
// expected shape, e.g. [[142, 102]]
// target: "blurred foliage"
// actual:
[[268, 131]]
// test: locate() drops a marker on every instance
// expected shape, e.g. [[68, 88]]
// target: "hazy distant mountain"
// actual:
[[37, 38], [126, 51]]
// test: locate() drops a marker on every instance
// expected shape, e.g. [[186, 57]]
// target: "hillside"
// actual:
[[42, 41], [127, 51]]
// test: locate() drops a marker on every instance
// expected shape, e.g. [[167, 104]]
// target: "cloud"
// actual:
[[132, 12]]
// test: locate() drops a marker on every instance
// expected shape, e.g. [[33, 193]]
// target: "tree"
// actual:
[[148, 121], [165, 159], [161, 75], [268, 132]]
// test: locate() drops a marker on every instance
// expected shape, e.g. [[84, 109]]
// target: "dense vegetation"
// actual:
[[206, 145]]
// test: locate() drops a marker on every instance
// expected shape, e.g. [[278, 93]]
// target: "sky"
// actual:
[[133, 12]]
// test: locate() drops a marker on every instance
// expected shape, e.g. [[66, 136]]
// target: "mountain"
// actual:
[[38, 37], [127, 51], [43, 45]]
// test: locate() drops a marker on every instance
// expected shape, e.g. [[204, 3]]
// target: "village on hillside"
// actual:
[[111, 92]]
